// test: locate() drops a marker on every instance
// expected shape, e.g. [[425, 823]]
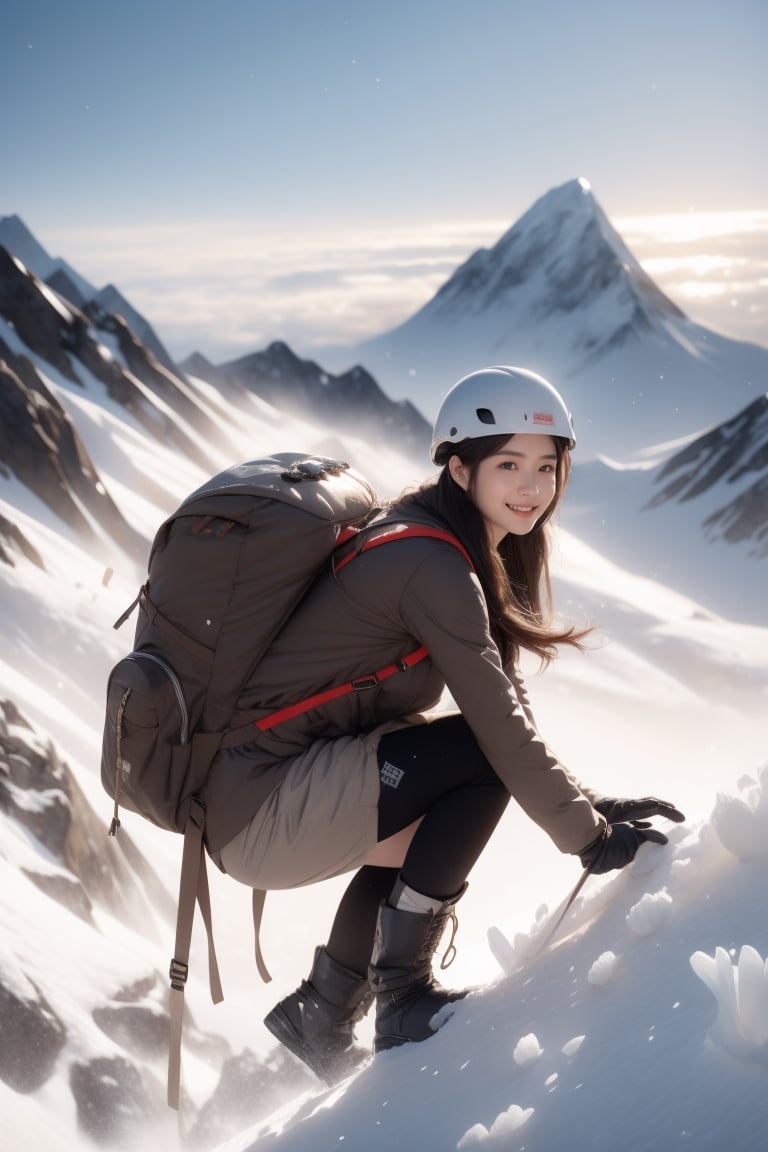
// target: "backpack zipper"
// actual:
[[115, 825], [169, 672]]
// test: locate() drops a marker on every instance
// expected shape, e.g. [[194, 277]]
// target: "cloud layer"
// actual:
[[226, 288]]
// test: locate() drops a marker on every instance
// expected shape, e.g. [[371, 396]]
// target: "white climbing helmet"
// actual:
[[501, 400]]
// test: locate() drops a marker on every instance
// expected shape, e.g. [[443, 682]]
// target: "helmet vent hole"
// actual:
[[485, 416]]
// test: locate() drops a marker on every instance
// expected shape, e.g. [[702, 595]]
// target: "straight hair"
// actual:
[[515, 576]]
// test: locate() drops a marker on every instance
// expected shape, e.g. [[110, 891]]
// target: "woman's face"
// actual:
[[514, 487]]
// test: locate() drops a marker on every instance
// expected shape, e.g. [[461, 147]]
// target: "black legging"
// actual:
[[438, 772]]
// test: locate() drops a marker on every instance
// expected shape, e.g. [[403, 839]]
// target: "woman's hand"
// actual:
[[636, 811], [617, 845], [628, 828]]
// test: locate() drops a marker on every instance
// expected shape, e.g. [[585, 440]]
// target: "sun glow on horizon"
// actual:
[[688, 227], [228, 286]]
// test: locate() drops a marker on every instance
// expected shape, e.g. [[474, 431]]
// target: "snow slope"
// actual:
[[643, 1026], [671, 700]]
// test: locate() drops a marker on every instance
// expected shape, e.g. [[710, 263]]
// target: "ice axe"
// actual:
[[512, 960], [560, 913]]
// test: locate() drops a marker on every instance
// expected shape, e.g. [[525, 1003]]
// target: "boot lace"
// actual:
[[450, 953], [433, 937]]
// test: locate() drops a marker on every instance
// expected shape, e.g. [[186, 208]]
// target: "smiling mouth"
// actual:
[[524, 509]]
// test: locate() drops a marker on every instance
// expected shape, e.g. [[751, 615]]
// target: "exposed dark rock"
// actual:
[[13, 540], [593, 262], [31, 1036], [17, 238], [64, 286], [352, 401], [248, 1089], [732, 456], [136, 1018], [57, 323], [135, 991], [198, 365], [139, 1023], [40, 445], [744, 519], [111, 301], [142, 1029], [66, 890], [39, 791], [37, 315], [23, 776], [74, 288], [728, 452], [115, 1104], [164, 383], [64, 336]]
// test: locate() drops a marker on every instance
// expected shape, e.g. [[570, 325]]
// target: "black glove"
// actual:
[[616, 847], [636, 811]]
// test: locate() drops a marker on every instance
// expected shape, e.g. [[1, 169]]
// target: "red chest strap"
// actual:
[[361, 683]]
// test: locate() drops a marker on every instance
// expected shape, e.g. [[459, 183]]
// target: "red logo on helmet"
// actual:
[[543, 418]]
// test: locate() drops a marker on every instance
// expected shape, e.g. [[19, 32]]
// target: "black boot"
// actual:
[[407, 995], [316, 1022]]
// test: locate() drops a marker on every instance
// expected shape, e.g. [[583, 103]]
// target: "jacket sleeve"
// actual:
[[443, 606], [517, 680]]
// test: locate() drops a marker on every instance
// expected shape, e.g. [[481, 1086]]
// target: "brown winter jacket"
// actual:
[[375, 611]]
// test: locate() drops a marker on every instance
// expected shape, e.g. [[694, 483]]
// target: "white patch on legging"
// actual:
[[390, 775]]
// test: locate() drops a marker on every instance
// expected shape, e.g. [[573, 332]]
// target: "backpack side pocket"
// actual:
[[146, 743]]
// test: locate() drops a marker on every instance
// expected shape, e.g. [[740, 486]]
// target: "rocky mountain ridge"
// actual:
[[352, 400], [120, 1093], [45, 336], [729, 466]]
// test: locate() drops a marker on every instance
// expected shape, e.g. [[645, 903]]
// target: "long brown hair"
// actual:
[[515, 576]]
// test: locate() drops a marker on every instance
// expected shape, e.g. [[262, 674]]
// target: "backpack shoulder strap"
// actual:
[[398, 532], [402, 532]]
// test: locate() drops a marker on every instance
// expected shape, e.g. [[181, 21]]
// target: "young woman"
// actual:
[[372, 784]]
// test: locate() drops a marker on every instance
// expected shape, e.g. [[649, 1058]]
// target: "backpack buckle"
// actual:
[[313, 468], [178, 974], [364, 682]]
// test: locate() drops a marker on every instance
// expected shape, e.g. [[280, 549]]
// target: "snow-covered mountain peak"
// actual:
[[563, 254], [17, 238], [573, 201], [561, 293]]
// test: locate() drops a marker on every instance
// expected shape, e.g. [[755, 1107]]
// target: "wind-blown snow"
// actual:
[[641, 1025]]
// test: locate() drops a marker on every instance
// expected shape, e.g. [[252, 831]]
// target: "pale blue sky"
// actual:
[[208, 153]]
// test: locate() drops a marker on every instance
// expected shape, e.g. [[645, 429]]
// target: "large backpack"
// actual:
[[225, 572]]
